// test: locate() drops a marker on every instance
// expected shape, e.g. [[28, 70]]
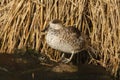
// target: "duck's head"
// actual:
[[55, 24]]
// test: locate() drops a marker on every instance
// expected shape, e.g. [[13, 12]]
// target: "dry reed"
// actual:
[[21, 22]]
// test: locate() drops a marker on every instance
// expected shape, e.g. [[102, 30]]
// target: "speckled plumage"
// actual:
[[65, 39]]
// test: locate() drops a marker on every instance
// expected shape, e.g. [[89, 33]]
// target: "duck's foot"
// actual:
[[65, 60]]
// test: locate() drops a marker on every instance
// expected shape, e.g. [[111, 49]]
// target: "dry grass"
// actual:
[[21, 22]]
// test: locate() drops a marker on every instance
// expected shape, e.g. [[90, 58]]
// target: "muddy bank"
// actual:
[[29, 67]]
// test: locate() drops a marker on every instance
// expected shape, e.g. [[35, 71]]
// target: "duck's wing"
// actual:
[[73, 31]]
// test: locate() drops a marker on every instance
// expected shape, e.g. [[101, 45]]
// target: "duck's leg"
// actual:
[[63, 55], [67, 60]]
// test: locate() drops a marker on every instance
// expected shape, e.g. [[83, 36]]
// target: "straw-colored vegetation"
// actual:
[[21, 22]]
